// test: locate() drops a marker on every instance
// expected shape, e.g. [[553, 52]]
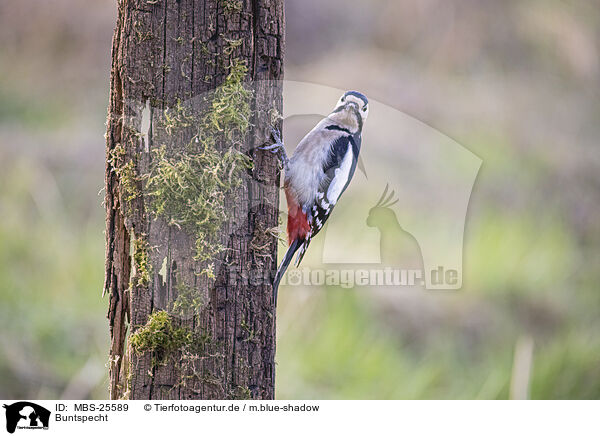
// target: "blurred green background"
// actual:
[[516, 82]]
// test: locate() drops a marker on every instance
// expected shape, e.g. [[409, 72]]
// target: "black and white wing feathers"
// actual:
[[339, 169]]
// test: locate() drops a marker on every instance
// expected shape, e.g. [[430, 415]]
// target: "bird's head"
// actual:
[[352, 108]]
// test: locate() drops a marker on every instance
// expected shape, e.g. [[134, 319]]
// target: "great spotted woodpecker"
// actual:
[[319, 172]]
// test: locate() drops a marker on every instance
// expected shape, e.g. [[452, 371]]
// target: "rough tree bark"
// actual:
[[191, 205]]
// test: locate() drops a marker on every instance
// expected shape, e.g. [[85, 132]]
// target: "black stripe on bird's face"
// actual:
[[352, 110], [339, 128]]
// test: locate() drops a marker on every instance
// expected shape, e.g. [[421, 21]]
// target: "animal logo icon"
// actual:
[[398, 248], [25, 414]]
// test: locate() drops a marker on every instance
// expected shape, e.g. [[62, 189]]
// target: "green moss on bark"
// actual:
[[188, 303], [125, 170], [230, 109], [141, 263], [160, 337], [231, 7], [189, 189]]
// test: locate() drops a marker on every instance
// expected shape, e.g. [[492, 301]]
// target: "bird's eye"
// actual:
[[365, 109], [343, 99]]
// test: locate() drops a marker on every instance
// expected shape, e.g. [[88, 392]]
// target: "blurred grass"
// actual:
[[31, 113], [51, 317], [343, 344]]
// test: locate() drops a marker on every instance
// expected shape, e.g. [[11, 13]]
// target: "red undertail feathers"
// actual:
[[297, 225]]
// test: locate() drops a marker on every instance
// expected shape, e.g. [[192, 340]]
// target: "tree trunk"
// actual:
[[192, 207]]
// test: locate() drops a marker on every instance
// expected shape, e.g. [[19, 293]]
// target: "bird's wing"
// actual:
[[339, 168]]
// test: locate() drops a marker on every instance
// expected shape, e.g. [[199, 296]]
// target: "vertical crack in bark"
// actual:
[[255, 18], [193, 45], [164, 56]]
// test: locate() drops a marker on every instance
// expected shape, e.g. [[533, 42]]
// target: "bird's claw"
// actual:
[[273, 148], [276, 135], [276, 148]]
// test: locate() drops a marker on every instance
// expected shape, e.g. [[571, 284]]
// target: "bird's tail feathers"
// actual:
[[302, 251], [289, 254]]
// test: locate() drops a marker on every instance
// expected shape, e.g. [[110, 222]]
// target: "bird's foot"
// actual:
[[277, 148], [276, 134]]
